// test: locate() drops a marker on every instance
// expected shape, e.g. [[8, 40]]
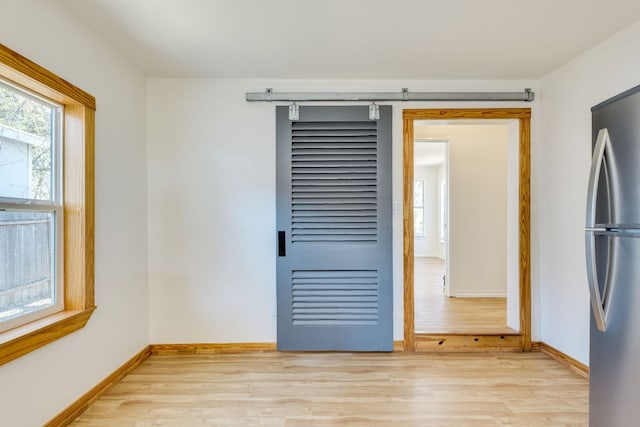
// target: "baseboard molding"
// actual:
[[74, 410], [576, 366], [211, 348]]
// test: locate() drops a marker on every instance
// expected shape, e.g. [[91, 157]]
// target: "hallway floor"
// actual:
[[437, 313]]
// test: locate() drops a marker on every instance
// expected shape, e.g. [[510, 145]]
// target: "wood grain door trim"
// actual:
[[523, 115]]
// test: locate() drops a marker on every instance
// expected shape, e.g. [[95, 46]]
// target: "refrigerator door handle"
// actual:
[[600, 312], [602, 142]]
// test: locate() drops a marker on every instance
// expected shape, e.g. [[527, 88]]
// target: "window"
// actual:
[[418, 208], [46, 224], [31, 218]]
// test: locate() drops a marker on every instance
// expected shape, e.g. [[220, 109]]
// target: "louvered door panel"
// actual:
[[334, 205], [335, 297], [334, 170]]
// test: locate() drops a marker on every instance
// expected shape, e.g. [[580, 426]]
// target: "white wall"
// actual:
[[513, 225], [211, 208], [565, 149], [427, 245], [211, 174], [478, 206], [38, 386], [441, 245], [211, 178]]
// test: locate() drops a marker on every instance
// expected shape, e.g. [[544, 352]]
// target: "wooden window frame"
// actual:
[[78, 205]]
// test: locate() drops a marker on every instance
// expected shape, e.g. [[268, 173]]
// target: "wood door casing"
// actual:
[[411, 341]]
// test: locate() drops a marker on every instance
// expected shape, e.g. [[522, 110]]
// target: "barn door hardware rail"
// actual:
[[404, 95]]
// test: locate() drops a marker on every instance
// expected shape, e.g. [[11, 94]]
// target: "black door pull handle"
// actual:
[[282, 251]]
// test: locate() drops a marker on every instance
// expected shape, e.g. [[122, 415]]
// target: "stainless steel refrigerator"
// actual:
[[613, 262]]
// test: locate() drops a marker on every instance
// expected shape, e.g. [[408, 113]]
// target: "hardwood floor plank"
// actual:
[[352, 389], [436, 313]]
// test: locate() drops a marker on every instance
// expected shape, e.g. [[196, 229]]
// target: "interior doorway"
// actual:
[[430, 233], [517, 254], [461, 271]]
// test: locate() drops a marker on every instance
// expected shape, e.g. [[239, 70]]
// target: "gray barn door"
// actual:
[[334, 275]]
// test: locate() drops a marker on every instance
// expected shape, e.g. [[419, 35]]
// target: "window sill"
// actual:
[[24, 339]]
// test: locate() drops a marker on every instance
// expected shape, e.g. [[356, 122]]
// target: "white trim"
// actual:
[[481, 294], [30, 317], [28, 205]]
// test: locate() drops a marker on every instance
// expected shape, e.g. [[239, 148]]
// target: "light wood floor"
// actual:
[[354, 389], [437, 313]]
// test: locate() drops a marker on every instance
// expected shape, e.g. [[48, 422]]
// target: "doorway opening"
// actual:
[[480, 158], [430, 232], [463, 263]]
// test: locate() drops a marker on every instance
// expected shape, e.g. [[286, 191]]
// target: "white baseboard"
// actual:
[[481, 294]]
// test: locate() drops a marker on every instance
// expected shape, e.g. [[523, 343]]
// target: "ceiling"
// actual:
[[353, 39]]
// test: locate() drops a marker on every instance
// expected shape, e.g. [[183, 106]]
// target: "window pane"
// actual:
[[27, 275], [26, 155], [418, 221], [418, 194]]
